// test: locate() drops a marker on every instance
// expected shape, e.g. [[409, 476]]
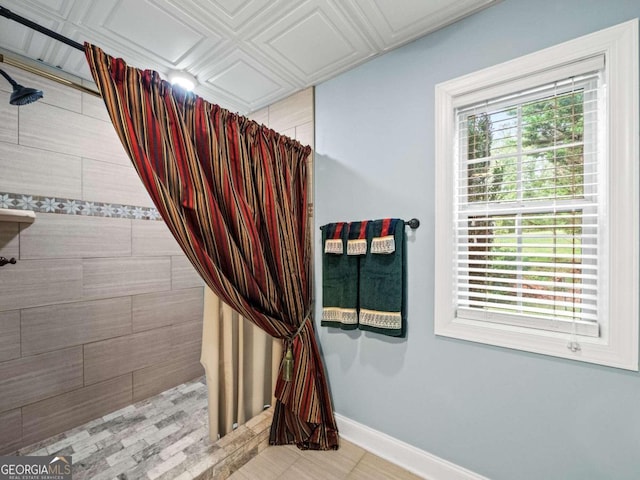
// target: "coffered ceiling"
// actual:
[[245, 54]]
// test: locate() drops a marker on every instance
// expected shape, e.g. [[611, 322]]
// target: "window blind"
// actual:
[[527, 207]]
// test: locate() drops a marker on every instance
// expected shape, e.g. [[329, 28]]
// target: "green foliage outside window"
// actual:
[[530, 152]]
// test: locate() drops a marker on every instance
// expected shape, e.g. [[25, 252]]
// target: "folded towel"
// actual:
[[357, 243], [382, 279], [339, 279]]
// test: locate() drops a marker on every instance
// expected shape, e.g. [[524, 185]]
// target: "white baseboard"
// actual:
[[417, 461]]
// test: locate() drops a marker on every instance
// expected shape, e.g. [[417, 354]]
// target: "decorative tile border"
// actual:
[[69, 206]]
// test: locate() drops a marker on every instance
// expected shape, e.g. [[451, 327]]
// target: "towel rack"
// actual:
[[413, 223]]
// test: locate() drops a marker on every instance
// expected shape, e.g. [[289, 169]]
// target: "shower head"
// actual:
[[21, 95]]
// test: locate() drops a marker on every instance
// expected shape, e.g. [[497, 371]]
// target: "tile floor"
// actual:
[[350, 462], [166, 437]]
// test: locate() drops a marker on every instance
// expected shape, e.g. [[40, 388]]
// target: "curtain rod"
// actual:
[[5, 12]]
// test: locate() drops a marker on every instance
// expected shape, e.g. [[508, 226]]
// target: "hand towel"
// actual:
[[357, 243], [382, 279], [339, 279]]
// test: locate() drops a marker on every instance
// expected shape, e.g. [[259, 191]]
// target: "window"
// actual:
[[537, 202]]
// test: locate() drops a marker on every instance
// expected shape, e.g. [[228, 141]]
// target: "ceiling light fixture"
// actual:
[[183, 79]]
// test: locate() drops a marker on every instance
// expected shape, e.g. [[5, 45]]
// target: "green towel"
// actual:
[[382, 279], [339, 279]]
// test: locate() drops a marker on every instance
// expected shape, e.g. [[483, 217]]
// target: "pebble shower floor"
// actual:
[[163, 437]]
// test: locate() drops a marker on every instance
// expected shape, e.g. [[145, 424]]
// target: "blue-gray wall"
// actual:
[[505, 414]]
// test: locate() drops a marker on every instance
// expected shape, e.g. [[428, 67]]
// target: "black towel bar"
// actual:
[[413, 223]]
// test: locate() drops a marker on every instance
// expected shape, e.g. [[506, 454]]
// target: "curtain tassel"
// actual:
[[287, 362], [287, 367]]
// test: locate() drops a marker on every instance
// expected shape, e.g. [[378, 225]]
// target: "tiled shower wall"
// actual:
[[102, 308]]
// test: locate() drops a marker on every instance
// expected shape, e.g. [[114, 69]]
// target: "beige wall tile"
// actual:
[[59, 326], [9, 336], [183, 275], [8, 122], [158, 378], [289, 132], [94, 107], [261, 116], [109, 183], [111, 277], [304, 134], [186, 338], [11, 428], [54, 92], [33, 283], [63, 412], [292, 111], [60, 130], [9, 239], [30, 379], [75, 236], [153, 239], [117, 356], [155, 310], [39, 172]]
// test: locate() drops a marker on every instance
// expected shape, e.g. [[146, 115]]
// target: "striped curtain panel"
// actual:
[[233, 193]]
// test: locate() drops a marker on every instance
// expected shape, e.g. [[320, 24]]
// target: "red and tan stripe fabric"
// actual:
[[233, 193]]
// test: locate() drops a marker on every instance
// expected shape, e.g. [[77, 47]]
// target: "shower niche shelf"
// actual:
[[21, 216]]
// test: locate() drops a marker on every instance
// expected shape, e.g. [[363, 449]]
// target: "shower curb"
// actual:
[[235, 449]]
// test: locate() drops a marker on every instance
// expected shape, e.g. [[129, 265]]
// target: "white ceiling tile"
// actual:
[[245, 82], [219, 97], [51, 5], [232, 7], [30, 43], [416, 18], [246, 54], [94, 24], [312, 44], [243, 79], [412, 12], [57, 7], [312, 40], [152, 28], [224, 16], [44, 8], [13, 36]]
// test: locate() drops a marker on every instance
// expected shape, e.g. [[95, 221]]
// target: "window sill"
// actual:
[[591, 350]]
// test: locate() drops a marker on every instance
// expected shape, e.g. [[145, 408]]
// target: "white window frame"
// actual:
[[617, 345]]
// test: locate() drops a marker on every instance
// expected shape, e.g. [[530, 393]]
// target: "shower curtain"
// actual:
[[233, 193], [241, 366]]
